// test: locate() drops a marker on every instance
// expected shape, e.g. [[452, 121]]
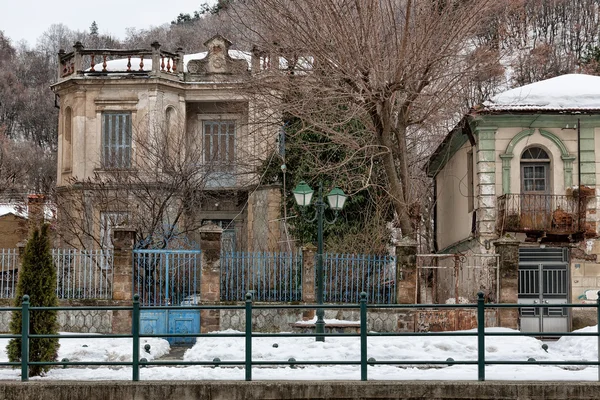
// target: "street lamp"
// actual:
[[336, 198]]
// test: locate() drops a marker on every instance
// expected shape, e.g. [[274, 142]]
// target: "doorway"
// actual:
[[543, 279]]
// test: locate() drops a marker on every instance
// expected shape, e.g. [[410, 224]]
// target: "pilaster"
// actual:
[[486, 180], [210, 276], [508, 252], [406, 271]]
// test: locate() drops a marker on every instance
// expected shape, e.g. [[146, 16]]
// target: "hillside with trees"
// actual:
[[391, 79]]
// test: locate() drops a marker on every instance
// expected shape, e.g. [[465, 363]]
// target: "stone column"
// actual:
[[406, 271], [210, 276], [308, 279], [508, 251], [178, 65], [61, 54], [78, 58], [155, 58], [123, 240]]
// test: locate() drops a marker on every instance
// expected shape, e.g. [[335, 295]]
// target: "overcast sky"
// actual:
[[28, 19]]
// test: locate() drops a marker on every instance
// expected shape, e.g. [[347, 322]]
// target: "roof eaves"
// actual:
[[455, 139]]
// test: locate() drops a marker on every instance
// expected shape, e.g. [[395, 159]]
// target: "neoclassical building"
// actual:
[[523, 166], [164, 142]]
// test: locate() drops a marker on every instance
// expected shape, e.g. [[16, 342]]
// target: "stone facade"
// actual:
[[172, 111]]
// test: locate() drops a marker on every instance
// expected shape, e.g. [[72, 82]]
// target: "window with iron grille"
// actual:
[[218, 144], [116, 140]]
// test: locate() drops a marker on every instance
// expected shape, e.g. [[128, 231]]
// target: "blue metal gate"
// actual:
[[168, 278]]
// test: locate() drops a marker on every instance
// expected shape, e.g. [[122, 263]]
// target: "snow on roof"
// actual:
[[571, 92], [14, 209], [121, 64], [20, 210]]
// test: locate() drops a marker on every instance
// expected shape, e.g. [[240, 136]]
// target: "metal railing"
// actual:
[[83, 274], [80, 274], [267, 276], [9, 267], [248, 362], [348, 275], [556, 214], [167, 277]]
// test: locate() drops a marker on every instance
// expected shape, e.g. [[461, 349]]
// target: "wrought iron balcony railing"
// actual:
[[550, 213]]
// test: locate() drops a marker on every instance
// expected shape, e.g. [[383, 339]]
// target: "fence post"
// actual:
[[210, 276], [406, 271], [598, 330], [480, 336], [508, 252], [248, 330], [35, 210], [363, 336], [135, 332], [25, 339], [308, 279], [122, 285]]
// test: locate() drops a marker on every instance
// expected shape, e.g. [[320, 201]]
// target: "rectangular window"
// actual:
[[218, 144], [470, 188], [116, 140]]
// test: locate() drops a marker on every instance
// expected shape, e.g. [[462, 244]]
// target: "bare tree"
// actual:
[[24, 168], [162, 192], [156, 195], [367, 74]]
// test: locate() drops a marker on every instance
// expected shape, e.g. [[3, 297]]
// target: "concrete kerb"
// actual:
[[233, 390]]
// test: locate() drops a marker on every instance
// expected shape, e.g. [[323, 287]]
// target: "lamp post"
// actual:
[[336, 198]]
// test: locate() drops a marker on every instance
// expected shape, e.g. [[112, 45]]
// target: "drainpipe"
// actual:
[[579, 174], [435, 238]]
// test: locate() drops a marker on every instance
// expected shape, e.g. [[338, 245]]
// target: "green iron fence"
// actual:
[[248, 362]]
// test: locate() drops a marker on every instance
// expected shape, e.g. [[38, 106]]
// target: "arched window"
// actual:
[[535, 153], [170, 138], [67, 159], [535, 171]]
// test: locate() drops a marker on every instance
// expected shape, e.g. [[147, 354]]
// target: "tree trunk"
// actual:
[[382, 119]]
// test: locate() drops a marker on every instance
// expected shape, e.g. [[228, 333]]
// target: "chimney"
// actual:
[[35, 209]]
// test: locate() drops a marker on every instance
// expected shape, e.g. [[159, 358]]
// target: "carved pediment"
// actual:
[[217, 61]]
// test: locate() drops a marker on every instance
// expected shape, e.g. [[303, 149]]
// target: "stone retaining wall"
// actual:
[[378, 320], [82, 321], [340, 390]]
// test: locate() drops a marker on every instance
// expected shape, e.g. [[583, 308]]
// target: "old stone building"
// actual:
[[163, 142]]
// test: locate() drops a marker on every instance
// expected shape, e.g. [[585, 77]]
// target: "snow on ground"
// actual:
[[406, 348], [99, 349]]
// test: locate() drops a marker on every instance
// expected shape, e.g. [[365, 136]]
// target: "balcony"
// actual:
[[105, 62], [542, 214]]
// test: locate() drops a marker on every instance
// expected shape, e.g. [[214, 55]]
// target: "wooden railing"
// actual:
[[554, 214], [152, 62]]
